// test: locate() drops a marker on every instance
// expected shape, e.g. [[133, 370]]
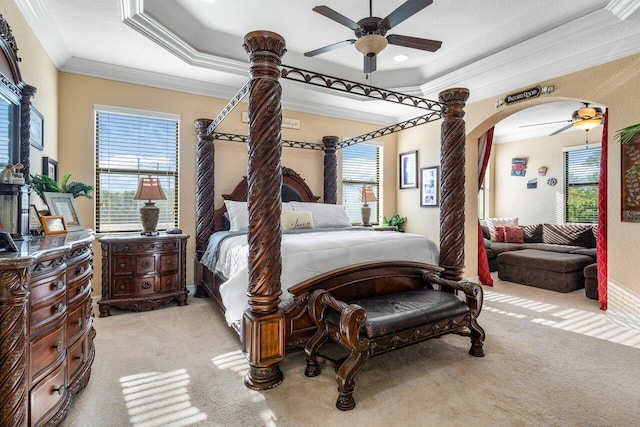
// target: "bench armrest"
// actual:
[[472, 291]]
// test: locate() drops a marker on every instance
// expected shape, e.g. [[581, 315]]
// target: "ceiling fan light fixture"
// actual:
[[371, 44], [587, 112], [587, 124]]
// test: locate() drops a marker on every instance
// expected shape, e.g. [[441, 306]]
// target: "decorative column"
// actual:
[[452, 170], [205, 179], [14, 384], [263, 326], [330, 169], [25, 130]]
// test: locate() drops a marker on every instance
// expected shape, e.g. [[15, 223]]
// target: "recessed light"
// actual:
[[400, 58]]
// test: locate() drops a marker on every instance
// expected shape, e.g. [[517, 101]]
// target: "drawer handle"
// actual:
[[122, 265], [79, 270], [146, 285], [169, 262], [78, 321], [60, 389], [146, 264], [123, 287], [80, 358], [59, 308], [169, 282], [59, 347], [58, 285]]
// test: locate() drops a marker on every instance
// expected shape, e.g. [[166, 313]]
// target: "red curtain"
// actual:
[[484, 151], [601, 243]]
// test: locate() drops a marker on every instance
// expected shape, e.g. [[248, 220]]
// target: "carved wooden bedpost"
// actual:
[[330, 169], [13, 347], [205, 178], [452, 169], [263, 326], [25, 131]]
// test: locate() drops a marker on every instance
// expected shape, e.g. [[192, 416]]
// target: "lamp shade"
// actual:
[[149, 189], [371, 44], [366, 194]]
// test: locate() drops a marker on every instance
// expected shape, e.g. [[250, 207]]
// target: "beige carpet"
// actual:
[[551, 360]]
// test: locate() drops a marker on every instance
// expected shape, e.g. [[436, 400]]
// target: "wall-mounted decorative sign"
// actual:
[[409, 170], [523, 95], [631, 180], [542, 171], [532, 183], [552, 182], [518, 166]]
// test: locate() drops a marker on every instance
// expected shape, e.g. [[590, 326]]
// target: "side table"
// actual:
[[142, 273]]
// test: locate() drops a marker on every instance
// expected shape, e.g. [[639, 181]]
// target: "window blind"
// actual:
[[360, 166], [128, 147], [582, 170]]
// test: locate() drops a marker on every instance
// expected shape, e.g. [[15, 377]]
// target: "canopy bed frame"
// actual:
[[267, 330]]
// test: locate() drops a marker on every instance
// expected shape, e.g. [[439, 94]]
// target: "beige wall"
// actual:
[[615, 85], [79, 94], [510, 195]]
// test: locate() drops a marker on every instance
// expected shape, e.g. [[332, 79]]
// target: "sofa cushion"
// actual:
[[492, 223], [499, 247], [567, 234], [532, 233], [513, 235]]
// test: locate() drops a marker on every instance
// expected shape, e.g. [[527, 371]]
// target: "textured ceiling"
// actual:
[[492, 47]]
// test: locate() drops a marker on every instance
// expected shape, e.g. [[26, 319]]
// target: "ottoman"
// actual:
[[556, 271], [591, 281]]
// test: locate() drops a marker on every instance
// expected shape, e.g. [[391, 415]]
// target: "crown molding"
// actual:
[[36, 15], [623, 8]]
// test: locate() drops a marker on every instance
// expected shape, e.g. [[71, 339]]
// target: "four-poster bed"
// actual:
[[267, 329]]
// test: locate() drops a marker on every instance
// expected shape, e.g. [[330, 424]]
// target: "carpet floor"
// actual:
[[551, 360]]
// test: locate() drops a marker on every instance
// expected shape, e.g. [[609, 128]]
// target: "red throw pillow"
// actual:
[[500, 233], [513, 235]]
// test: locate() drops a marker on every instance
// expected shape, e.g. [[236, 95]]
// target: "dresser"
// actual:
[[142, 273], [46, 327]]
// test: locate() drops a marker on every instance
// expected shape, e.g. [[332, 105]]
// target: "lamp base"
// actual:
[[150, 233], [149, 214], [366, 215]]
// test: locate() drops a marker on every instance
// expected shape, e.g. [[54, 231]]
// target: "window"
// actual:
[[131, 144], [360, 166], [581, 172]]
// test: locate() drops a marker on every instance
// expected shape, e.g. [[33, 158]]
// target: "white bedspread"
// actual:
[[311, 254]]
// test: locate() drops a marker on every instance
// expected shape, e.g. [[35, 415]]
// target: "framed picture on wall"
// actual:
[[36, 132], [429, 186], [50, 168], [409, 170]]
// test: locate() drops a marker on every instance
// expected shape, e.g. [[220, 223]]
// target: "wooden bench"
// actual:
[[378, 324]]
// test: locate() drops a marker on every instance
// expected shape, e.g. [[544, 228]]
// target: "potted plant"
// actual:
[[395, 221], [43, 184]]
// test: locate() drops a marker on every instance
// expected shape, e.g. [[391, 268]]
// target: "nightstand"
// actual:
[[142, 273], [384, 228]]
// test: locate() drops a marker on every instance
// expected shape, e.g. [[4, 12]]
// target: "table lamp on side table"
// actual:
[[367, 195], [149, 189]]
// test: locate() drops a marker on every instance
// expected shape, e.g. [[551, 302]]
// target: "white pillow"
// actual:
[[492, 223], [295, 220], [238, 214], [324, 215]]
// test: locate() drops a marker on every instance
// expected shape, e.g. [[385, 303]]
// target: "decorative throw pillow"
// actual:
[[238, 215], [294, 220], [532, 233], [499, 234], [493, 222], [324, 215], [513, 235]]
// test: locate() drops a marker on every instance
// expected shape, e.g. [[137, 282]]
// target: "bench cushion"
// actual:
[[390, 314]]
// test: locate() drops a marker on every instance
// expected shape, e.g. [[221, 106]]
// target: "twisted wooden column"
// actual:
[[205, 180], [330, 169], [263, 323], [25, 130], [14, 384], [452, 169]]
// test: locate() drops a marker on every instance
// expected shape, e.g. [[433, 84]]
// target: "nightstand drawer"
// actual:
[[168, 263], [168, 283], [122, 287], [123, 265], [146, 264], [145, 285]]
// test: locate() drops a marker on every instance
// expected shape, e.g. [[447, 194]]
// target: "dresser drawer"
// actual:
[[48, 395], [146, 264], [78, 271], [145, 285], [46, 312], [47, 288], [45, 351], [77, 356], [168, 263], [75, 323], [168, 283], [78, 290]]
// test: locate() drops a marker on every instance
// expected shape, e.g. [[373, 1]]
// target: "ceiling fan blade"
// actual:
[[562, 129], [546, 123], [414, 42], [404, 11], [369, 64], [330, 47], [332, 14]]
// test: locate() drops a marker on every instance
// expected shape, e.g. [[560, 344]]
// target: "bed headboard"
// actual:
[[293, 189]]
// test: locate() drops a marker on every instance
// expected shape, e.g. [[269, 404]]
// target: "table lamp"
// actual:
[[366, 195], [149, 189]]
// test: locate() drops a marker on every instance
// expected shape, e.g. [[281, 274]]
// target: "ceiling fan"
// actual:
[[585, 118], [370, 32]]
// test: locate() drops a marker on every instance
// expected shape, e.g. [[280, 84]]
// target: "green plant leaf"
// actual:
[[625, 135]]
